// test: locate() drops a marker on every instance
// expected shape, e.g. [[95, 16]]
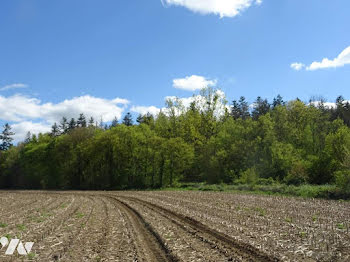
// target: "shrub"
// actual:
[[249, 177], [342, 179], [297, 175]]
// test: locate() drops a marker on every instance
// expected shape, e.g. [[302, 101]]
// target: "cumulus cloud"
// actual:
[[13, 86], [21, 129], [341, 60], [143, 110], [223, 8], [28, 113], [328, 105], [19, 108], [201, 102], [183, 104], [297, 66], [193, 83]]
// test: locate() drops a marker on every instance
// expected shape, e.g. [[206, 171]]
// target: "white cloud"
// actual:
[[28, 112], [20, 108], [143, 110], [21, 129], [201, 102], [223, 8], [183, 104], [328, 105], [297, 66], [13, 86], [341, 60], [192, 83]]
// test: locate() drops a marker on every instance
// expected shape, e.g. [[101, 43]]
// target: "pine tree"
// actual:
[[28, 138], [55, 130], [81, 121], [91, 121], [140, 119], [72, 124], [6, 137], [128, 119], [278, 101], [114, 122], [64, 126], [235, 110], [244, 108], [261, 107]]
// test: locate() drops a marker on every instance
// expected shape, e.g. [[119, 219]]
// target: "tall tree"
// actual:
[[127, 120], [235, 110], [64, 126], [91, 121], [72, 124], [6, 138], [261, 107], [28, 138], [244, 108], [55, 130], [278, 101], [114, 122], [81, 122]]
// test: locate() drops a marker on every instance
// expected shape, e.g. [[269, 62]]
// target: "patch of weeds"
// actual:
[[2, 225], [261, 211], [8, 236], [46, 214], [64, 205], [302, 234], [237, 208], [21, 227], [39, 220], [31, 256], [80, 215], [314, 218], [98, 259], [340, 226], [288, 219]]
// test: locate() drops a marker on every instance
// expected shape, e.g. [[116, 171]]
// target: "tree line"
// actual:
[[290, 142]]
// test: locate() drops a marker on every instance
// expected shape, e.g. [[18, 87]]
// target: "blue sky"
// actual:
[[62, 56]]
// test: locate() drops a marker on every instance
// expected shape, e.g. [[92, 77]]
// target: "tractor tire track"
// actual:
[[149, 244], [237, 250]]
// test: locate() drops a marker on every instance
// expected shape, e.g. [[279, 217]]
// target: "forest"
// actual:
[[210, 141]]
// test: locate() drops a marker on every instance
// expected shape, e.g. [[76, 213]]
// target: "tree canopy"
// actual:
[[290, 142]]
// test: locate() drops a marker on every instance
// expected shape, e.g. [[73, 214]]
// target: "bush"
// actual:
[[342, 179], [297, 175], [266, 181], [249, 177]]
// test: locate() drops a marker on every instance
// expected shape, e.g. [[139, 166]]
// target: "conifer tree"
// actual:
[[128, 119], [114, 122], [91, 121], [64, 125], [55, 130], [81, 122], [6, 138], [72, 124]]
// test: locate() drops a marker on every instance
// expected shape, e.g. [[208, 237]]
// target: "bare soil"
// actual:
[[173, 226]]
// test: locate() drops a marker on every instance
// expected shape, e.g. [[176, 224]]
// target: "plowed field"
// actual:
[[173, 226]]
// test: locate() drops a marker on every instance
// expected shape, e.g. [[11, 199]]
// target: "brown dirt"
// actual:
[[174, 226]]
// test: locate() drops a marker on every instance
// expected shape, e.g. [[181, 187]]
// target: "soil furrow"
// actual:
[[240, 251], [147, 240]]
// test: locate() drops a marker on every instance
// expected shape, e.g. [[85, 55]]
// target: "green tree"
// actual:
[[6, 137], [127, 120], [81, 122]]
